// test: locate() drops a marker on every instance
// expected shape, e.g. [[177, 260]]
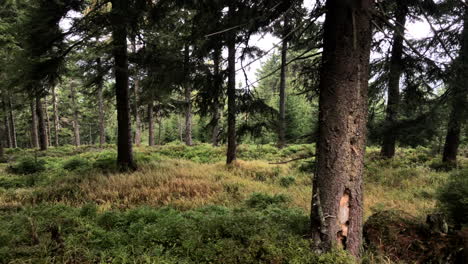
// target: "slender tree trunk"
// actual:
[[188, 116], [231, 93], [14, 142], [159, 130], [49, 135], [2, 151], [282, 88], [136, 94], [42, 130], [34, 131], [6, 121], [56, 117], [337, 206], [100, 87], [76, 116], [219, 87], [125, 159], [180, 128], [188, 98], [91, 135], [459, 99], [150, 124], [396, 69]]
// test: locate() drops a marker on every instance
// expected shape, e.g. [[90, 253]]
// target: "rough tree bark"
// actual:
[[337, 207], [41, 127], [188, 98], [100, 91], [34, 132], [76, 123], [56, 117], [459, 99], [282, 87], [14, 142], [231, 92], [396, 69], [125, 159], [150, 123]]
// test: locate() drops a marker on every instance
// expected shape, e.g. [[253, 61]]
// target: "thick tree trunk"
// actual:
[[76, 116], [125, 159], [150, 124], [219, 87], [46, 110], [14, 142], [282, 88], [6, 121], [41, 127], [459, 99], [56, 117], [34, 132], [396, 69], [231, 93], [100, 91], [337, 206]]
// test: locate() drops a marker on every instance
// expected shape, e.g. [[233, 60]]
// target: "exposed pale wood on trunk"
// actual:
[[337, 206]]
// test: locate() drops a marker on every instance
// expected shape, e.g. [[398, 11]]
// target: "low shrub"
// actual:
[[307, 166], [106, 162], [453, 197], [146, 235], [261, 200], [287, 181], [28, 165], [76, 163]]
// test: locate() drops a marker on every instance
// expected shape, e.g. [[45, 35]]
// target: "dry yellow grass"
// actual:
[[187, 185]]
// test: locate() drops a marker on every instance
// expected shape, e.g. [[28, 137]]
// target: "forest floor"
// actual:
[[184, 205]]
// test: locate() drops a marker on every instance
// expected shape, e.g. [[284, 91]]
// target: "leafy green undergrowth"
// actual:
[[61, 234], [250, 220], [453, 197]]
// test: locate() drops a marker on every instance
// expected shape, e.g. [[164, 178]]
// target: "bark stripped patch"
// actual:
[[343, 219]]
